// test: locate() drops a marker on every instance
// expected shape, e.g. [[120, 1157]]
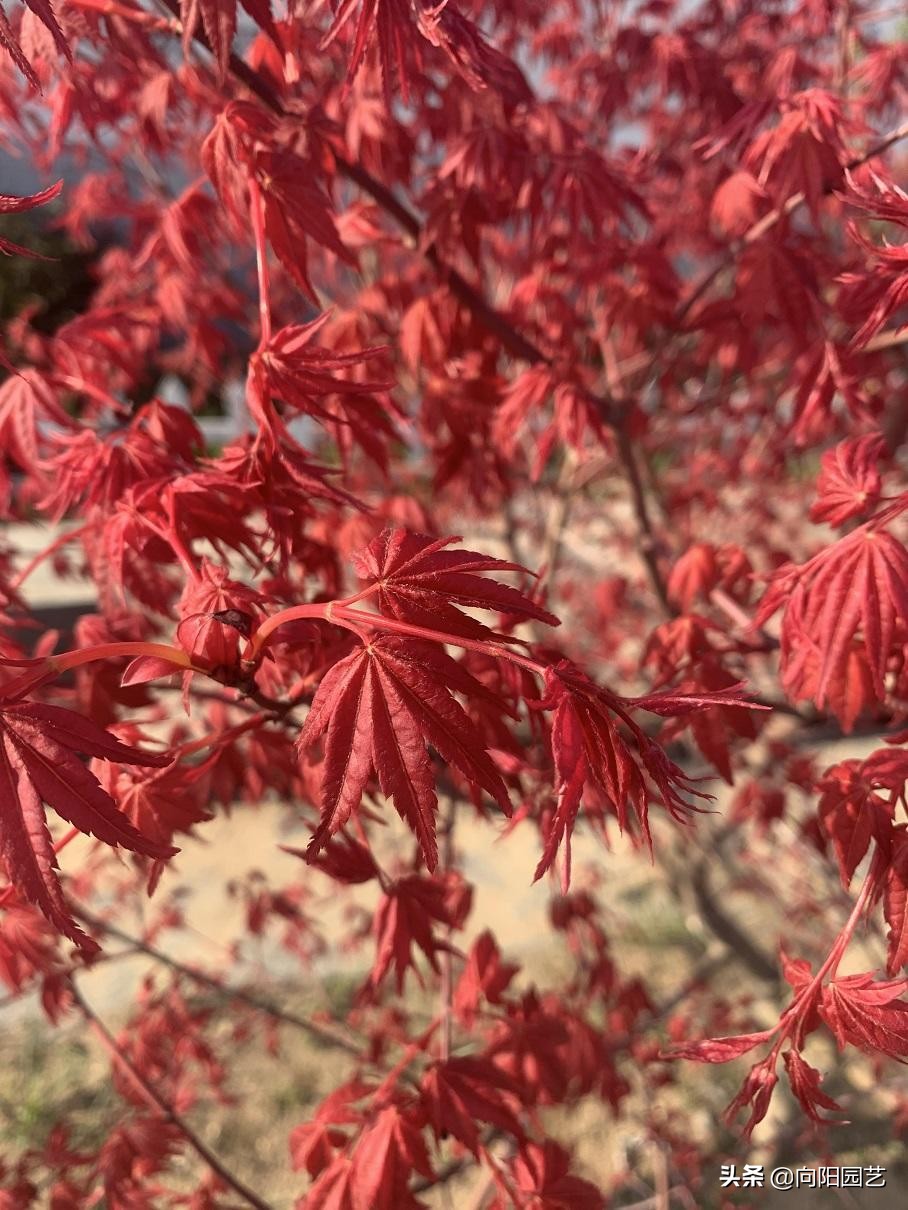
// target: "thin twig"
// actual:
[[645, 361], [156, 1102], [768, 221], [648, 543], [334, 1036], [556, 522]]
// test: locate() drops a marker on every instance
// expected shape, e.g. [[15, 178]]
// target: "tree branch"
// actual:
[[156, 1102], [333, 1036]]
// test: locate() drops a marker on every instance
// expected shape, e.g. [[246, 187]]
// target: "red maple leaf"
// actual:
[[859, 583], [396, 37], [461, 1092], [15, 205], [293, 371], [28, 945], [39, 763], [405, 917], [44, 11], [481, 65], [343, 859], [718, 1050], [805, 1084], [867, 1013], [313, 1144], [296, 210], [387, 1154], [694, 574], [218, 20], [756, 1092], [485, 977], [849, 482], [871, 296], [805, 151], [738, 203], [852, 814], [159, 801], [540, 1176], [26, 401], [588, 747], [419, 581], [380, 707]]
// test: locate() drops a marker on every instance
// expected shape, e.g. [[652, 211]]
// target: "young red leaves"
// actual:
[[873, 295], [857, 585], [849, 482], [27, 404], [241, 149], [805, 1084], [407, 915], [379, 708], [218, 19], [9, 40], [853, 813], [419, 581], [39, 763], [395, 29], [302, 375], [382, 705], [589, 749], [15, 205], [868, 1013], [462, 1092]]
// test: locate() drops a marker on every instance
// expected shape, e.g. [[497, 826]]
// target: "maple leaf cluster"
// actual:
[[618, 292]]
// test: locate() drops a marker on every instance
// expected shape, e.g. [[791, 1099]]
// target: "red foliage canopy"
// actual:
[[619, 291]]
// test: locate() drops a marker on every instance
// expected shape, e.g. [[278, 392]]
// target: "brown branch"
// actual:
[[727, 930], [333, 1036], [631, 464], [556, 523], [156, 1102], [648, 543]]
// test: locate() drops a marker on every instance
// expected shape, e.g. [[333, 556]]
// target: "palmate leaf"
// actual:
[[396, 36], [461, 1092], [852, 812], [40, 747], [27, 401], [805, 1084], [421, 582], [849, 482], [218, 19], [588, 748], [378, 709], [858, 584], [868, 1013]]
